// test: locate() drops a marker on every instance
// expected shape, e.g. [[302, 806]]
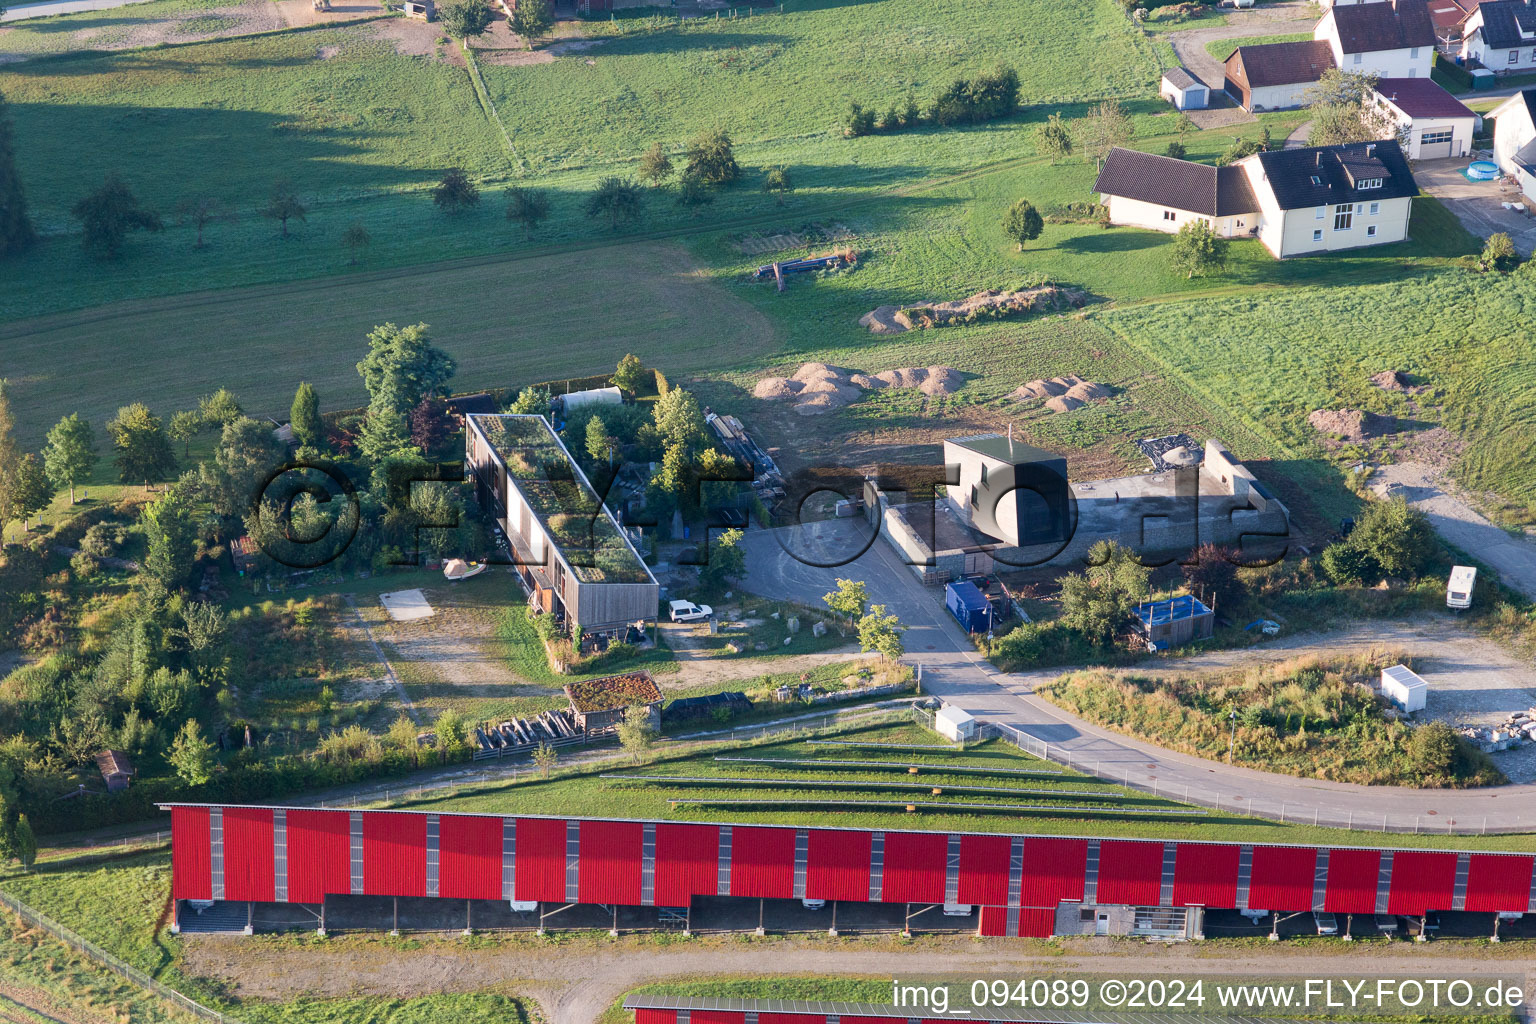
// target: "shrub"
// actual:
[[1499, 253], [84, 565], [860, 121]]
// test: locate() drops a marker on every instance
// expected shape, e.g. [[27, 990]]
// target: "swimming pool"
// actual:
[[1482, 170]]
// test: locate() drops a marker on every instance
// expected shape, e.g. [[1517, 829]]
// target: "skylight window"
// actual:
[[1316, 180]]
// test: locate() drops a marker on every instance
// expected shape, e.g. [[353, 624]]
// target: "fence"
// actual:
[[1301, 814], [95, 953]]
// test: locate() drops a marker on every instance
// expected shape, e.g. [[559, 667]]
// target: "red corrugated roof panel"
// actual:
[[1130, 873], [248, 860], [1496, 882], [914, 867], [984, 869], [394, 854], [469, 857], [1421, 881], [540, 865], [1205, 875], [837, 865], [609, 869], [687, 863], [319, 854], [191, 854], [1352, 879], [1054, 870], [1281, 878], [1036, 922], [763, 862]]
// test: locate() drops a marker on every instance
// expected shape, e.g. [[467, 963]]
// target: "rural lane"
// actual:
[[953, 669]]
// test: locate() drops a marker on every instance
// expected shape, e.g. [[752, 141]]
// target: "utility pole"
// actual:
[[1232, 734]]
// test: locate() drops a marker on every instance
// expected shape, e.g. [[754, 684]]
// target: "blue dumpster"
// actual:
[[969, 606]]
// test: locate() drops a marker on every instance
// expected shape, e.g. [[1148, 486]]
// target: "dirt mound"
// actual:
[[986, 305], [1087, 391], [941, 380], [1064, 403], [777, 387], [820, 387], [1046, 388], [1180, 456], [809, 372], [883, 320], [1351, 424], [1391, 380]]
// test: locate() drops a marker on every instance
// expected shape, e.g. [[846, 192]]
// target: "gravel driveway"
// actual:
[[1189, 46]]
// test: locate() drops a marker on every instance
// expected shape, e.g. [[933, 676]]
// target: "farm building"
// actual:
[[1184, 90], [571, 556], [598, 704], [709, 705], [460, 406], [116, 769], [657, 1008], [252, 861], [1175, 621], [1437, 124], [1403, 687], [1276, 76], [954, 724]]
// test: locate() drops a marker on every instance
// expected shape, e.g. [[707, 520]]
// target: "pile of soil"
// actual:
[[820, 387], [1062, 394], [1351, 424], [990, 303], [1391, 380]]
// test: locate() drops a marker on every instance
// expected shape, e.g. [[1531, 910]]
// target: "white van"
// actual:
[[1458, 592], [957, 910]]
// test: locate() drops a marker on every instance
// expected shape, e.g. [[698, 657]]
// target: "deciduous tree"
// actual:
[[1098, 603], [1105, 127], [727, 560], [219, 408], [455, 192], [599, 443], [285, 205], [183, 427], [531, 399], [630, 375], [402, 367], [655, 166], [191, 755], [880, 632], [355, 238], [711, 157], [245, 459], [170, 534], [849, 600], [1054, 138], [201, 211], [109, 213], [618, 199], [465, 20], [528, 207], [635, 732], [70, 453], [532, 19], [143, 451], [778, 181], [1198, 249], [30, 490], [1023, 223]]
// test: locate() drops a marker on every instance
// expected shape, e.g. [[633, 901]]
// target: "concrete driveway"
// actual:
[[1477, 204], [1189, 46]]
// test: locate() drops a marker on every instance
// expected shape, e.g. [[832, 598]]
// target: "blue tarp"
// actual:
[[1173, 609]]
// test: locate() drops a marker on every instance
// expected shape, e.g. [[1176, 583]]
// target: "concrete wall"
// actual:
[[1137, 214]]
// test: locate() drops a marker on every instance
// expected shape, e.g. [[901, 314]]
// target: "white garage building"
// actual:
[[1184, 90], [1438, 125]]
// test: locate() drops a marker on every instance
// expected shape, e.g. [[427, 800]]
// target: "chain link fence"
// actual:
[[96, 954], [1289, 813]]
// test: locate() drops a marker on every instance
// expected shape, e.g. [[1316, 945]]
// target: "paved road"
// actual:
[[952, 668]]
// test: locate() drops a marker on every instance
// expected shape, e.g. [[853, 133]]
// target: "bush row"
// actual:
[[986, 97]]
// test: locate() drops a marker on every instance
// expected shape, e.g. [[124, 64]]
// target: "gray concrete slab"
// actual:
[[1477, 204]]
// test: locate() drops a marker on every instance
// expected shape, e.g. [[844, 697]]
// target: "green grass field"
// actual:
[[1221, 49]]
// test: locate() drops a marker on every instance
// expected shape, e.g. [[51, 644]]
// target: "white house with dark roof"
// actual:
[[1501, 35], [1296, 201], [1514, 139], [1434, 123], [1390, 39], [1144, 190]]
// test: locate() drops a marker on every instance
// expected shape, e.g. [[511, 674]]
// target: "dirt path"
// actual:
[[699, 665], [389, 670], [1270, 19], [579, 978], [21, 1004]]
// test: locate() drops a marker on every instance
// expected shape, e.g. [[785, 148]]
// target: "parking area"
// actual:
[[1477, 204]]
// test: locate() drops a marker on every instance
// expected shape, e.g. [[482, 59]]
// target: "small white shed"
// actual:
[[1184, 90], [954, 724], [1403, 687]]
